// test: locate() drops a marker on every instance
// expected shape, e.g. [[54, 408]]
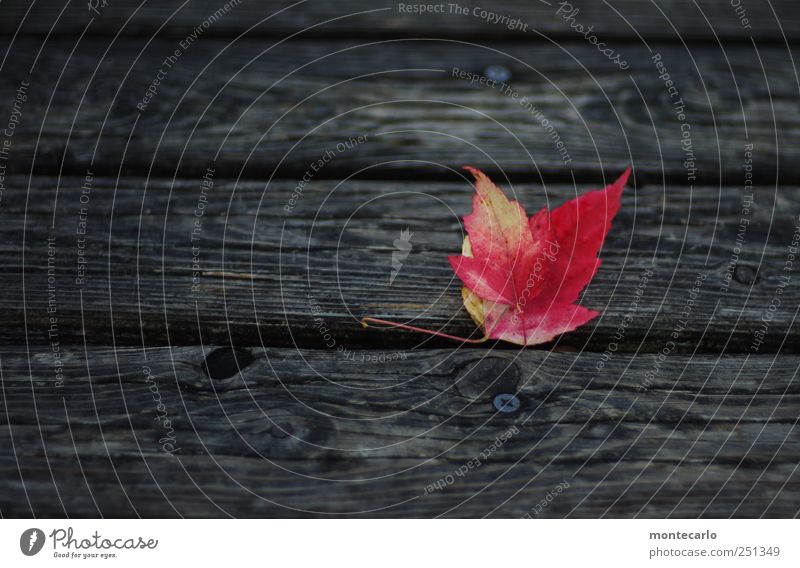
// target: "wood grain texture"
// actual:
[[299, 433], [622, 19], [262, 109], [179, 311], [259, 274], [205, 487]]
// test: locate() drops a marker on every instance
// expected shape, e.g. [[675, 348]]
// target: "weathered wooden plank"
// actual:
[[253, 267], [295, 433], [265, 109], [666, 19], [199, 486], [326, 404]]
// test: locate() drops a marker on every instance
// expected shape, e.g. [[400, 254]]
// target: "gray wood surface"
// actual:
[[179, 328], [328, 262], [263, 109], [622, 19], [300, 432]]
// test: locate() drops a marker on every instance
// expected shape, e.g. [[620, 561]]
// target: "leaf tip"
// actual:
[[476, 173], [623, 179]]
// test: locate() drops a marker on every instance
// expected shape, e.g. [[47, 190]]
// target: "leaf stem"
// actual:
[[366, 320]]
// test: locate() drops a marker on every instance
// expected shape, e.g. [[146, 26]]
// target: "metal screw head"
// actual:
[[497, 73], [506, 402]]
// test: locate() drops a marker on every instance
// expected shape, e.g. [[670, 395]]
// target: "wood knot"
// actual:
[[226, 362], [746, 274], [486, 378]]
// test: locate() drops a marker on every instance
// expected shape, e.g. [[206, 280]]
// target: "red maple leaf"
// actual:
[[523, 275]]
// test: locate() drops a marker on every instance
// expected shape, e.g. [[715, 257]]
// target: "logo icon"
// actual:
[[31, 542], [402, 248]]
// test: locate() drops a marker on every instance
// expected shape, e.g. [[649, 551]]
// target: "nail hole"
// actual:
[[490, 375], [746, 274], [280, 433], [226, 362]]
